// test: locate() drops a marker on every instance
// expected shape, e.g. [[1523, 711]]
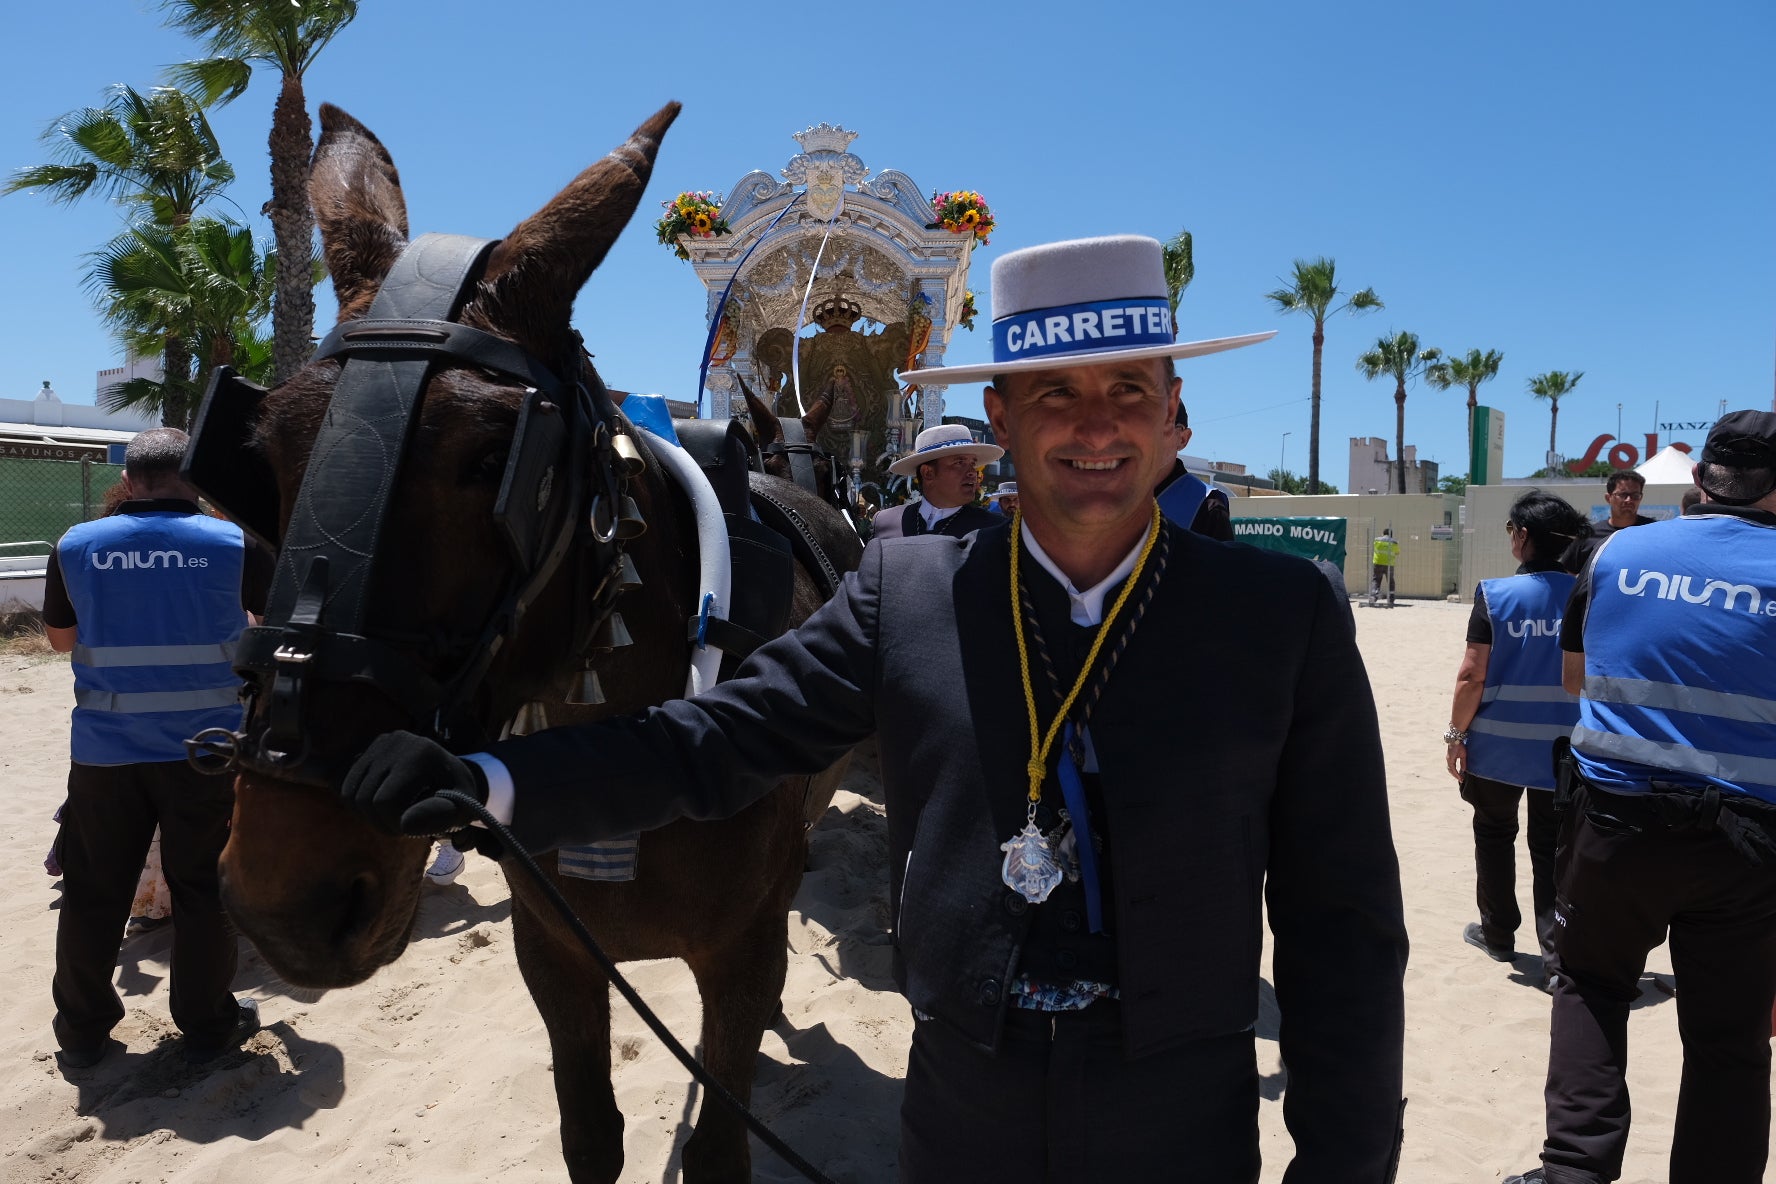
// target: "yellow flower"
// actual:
[[700, 222], [970, 217]]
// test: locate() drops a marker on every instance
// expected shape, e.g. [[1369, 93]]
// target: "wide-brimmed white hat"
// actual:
[[1006, 489], [1078, 303], [946, 439]]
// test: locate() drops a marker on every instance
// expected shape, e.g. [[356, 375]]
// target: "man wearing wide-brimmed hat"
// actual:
[[946, 459], [1083, 843], [1671, 833], [1003, 499]]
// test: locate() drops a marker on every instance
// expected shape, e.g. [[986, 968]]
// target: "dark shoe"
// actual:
[[1532, 1176], [85, 1058], [1474, 937], [245, 1025]]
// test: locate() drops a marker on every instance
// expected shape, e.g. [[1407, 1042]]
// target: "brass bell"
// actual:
[[586, 691], [630, 523], [628, 577], [532, 717], [612, 634], [628, 462]]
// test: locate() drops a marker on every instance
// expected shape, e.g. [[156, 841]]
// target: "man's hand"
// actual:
[[1457, 760], [395, 782]]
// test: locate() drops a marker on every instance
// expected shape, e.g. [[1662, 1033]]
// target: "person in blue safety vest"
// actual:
[[1672, 827], [1187, 500], [150, 603], [1509, 711]]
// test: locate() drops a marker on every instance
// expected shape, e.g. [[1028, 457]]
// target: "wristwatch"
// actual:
[[1454, 735]]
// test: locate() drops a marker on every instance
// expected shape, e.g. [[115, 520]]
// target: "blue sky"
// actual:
[[1582, 186]]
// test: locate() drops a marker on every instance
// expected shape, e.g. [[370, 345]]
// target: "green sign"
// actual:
[[1310, 538], [1486, 463]]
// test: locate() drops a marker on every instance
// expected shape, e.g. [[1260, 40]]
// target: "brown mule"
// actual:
[[328, 899]]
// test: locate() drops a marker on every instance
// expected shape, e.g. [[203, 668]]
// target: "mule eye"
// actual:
[[491, 467]]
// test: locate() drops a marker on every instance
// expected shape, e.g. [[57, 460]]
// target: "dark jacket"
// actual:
[[1267, 779], [905, 522]]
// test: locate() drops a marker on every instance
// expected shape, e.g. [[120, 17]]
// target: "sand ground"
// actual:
[[438, 1069]]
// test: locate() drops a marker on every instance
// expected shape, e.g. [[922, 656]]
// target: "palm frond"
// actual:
[[213, 82]]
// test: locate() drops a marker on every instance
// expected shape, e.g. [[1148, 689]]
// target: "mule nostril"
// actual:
[[357, 909]]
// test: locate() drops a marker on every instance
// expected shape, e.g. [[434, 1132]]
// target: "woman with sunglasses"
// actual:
[[1509, 710]]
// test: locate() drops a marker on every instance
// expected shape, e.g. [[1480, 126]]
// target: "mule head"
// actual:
[[769, 429], [327, 898]]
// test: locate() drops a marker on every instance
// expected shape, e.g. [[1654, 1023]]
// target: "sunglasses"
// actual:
[[1511, 528]]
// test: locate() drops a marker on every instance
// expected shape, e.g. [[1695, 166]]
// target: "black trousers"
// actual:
[[106, 828], [1620, 890], [1061, 1104], [1495, 857]]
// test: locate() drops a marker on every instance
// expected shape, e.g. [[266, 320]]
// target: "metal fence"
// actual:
[[39, 501]]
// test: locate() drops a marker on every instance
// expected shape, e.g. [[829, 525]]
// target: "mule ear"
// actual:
[[357, 200], [532, 277], [769, 430], [817, 415]]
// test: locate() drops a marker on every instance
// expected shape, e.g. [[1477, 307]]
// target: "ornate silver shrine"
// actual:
[[882, 280]]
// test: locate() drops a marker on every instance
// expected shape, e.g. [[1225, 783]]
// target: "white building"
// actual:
[[1372, 472]]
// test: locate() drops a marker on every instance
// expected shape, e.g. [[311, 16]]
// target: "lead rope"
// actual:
[[605, 963]]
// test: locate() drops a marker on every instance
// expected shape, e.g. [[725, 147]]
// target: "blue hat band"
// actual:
[[1075, 329]]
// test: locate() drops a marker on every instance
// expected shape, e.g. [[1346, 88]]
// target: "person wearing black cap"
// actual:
[[1672, 826]]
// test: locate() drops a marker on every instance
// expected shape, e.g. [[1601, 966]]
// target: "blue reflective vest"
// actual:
[[1181, 500], [1680, 684], [157, 611], [1523, 709]]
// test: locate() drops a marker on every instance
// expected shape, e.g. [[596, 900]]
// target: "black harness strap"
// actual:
[[784, 519], [801, 451], [356, 458]]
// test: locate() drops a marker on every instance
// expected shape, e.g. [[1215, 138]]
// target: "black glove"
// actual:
[[395, 782]]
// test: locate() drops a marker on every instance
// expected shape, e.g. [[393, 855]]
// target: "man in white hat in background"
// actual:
[[1003, 499], [946, 460], [1082, 844]]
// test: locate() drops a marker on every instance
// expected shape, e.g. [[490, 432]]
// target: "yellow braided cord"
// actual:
[[1037, 769]]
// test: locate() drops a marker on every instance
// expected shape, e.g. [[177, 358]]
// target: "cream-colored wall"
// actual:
[[1486, 549], [1428, 568]]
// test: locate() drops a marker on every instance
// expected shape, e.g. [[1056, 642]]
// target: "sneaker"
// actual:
[[246, 1023], [1476, 938], [1532, 1176], [447, 867]]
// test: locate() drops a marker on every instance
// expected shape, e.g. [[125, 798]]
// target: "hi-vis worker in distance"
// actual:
[[1383, 558]]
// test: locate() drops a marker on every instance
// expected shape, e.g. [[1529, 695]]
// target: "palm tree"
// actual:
[[154, 153], [207, 284], [1398, 356], [1551, 388], [1312, 290], [1180, 269], [1470, 372], [288, 37]]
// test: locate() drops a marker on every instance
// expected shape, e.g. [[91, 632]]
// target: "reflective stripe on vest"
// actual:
[[153, 655], [1679, 688], [1523, 709], [141, 702], [157, 609]]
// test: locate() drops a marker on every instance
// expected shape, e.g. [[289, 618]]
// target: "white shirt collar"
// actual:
[[1087, 607], [933, 515]]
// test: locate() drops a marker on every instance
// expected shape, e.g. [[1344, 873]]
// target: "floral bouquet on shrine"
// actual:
[[966, 319], [962, 212], [693, 212]]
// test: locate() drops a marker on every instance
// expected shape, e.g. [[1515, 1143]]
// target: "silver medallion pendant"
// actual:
[[1030, 869]]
